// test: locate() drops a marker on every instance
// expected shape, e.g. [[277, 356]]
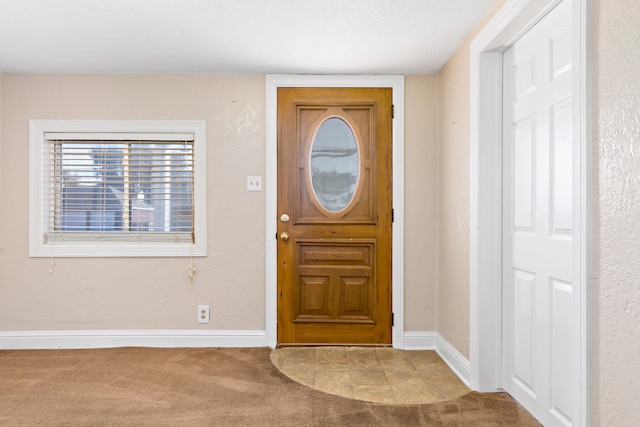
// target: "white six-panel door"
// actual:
[[538, 182]]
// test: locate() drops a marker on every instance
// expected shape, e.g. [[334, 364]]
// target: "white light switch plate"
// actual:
[[254, 183]]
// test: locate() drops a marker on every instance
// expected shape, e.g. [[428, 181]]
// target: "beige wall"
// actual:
[[421, 99], [144, 293], [453, 194], [616, 213], [1, 208]]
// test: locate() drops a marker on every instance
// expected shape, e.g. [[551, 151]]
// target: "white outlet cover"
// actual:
[[203, 314], [254, 183]]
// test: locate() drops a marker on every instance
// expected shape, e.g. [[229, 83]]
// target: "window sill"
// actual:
[[91, 250]]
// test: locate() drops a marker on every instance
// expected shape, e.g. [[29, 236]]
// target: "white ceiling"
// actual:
[[234, 36]]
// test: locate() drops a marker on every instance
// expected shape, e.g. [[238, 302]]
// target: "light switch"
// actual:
[[254, 183]]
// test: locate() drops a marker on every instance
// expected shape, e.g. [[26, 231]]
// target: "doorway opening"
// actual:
[[396, 83], [511, 23]]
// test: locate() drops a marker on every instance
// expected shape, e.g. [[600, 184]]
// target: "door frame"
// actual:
[[485, 231], [273, 82]]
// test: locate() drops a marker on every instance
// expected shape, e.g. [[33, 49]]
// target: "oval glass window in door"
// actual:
[[334, 164]]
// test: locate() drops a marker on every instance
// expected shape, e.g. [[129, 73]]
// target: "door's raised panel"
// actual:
[[356, 298], [561, 332], [560, 52], [313, 297], [336, 252], [524, 175], [525, 77], [523, 329], [562, 168]]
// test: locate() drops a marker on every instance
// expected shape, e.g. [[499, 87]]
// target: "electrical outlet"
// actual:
[[203, 314]]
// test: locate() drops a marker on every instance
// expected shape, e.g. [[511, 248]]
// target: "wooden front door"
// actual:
[[334, 215]]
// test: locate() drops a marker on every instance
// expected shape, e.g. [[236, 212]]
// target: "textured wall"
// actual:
[[616, 214], [453, 202], [0, 160], [148, 293], [453, 195], [144, 293], [421, 93]]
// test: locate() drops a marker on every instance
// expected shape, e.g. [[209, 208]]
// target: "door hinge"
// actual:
[[393, 215], [393, 111], [393, 319]]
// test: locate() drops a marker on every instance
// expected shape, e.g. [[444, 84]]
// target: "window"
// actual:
[[117, 188]]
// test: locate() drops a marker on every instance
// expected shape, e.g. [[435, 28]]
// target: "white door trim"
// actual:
[[509, 24], [273, 82]]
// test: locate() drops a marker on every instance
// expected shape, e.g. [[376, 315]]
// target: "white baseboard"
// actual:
[[421, 340], [452, 357], [32, 340]]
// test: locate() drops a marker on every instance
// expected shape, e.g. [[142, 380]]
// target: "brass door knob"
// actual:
[[284, 236]]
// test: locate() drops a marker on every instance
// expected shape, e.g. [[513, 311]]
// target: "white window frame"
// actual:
[[38, 246]]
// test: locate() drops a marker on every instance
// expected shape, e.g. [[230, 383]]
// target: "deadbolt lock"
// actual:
[[284, 218]]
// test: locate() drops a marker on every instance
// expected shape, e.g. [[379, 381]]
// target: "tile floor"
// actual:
[[373, 374]]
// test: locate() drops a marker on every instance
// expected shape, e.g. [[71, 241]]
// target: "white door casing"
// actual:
[[537, 281], [486, 55], [396, 82]]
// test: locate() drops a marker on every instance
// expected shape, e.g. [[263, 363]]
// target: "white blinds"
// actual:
[[118, 187]]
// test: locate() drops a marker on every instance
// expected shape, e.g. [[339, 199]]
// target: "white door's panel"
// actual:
[[524, 302], [525, 78], [561, 51], [538, 183], [523, 165], [562, 160], [561, 328]]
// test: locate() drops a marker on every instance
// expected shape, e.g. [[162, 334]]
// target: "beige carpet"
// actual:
[[203, 387]]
